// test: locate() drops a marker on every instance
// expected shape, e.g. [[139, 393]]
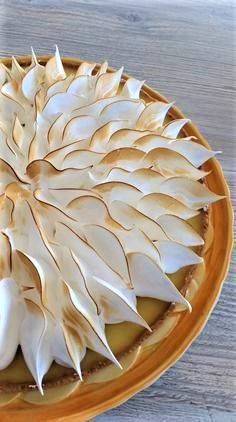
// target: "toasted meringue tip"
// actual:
[[34, 57], [40, 386], [147, 326], [117, 363], [189, 306], [78, 370]]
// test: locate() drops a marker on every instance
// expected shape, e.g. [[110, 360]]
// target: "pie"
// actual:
[[105, 215]]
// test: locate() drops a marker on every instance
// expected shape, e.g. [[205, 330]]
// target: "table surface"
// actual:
[[185, 49]]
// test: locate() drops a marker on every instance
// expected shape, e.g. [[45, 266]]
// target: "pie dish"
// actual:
[[105, 185]]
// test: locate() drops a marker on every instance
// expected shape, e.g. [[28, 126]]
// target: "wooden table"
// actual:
[[185, 49]]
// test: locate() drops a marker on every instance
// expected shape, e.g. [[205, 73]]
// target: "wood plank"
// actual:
[[186, 50]]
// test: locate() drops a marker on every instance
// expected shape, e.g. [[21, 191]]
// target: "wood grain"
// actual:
[[186, 50]]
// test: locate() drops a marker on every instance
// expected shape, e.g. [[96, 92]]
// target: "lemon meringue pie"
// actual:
[[103, 212]]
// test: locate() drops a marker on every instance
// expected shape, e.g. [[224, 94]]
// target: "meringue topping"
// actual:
[[95, 193]]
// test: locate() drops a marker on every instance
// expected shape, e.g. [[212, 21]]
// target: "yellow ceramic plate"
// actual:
[[81, 401]]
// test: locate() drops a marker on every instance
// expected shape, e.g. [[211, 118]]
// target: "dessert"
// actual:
[[103, 201]]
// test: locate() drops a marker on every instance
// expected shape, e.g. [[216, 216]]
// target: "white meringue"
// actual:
[[95, 190]]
